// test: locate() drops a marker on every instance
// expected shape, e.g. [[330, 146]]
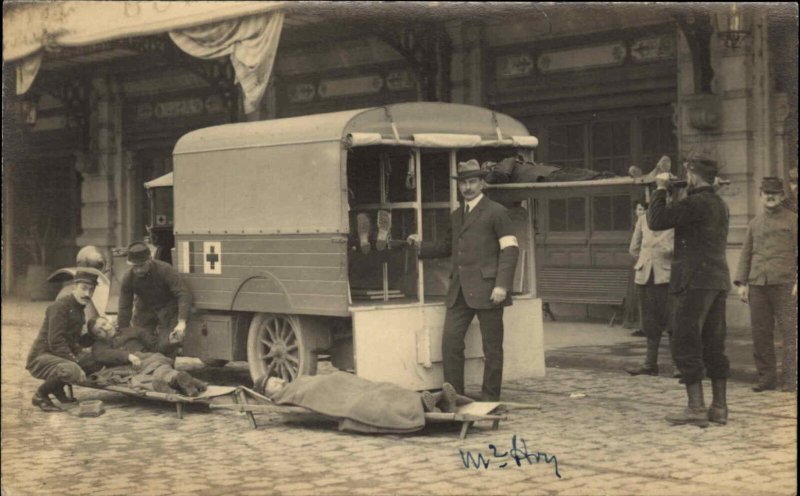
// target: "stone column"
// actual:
[[8, 227], [102, 219], [741, 137], [466, 62]]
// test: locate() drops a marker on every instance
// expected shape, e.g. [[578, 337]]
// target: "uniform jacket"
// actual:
[[160, 287], [115, 351], [653, 251], [60, 334], [701, 235], [478, 263], [769, 253]]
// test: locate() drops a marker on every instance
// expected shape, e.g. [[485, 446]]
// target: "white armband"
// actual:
[[507, 241]]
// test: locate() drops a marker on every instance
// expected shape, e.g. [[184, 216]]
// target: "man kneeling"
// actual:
[[149, 371]]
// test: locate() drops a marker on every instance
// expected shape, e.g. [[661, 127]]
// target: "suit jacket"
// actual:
[[479, 265], [769, 252], [60, 334], [653, 251], [701, 236]]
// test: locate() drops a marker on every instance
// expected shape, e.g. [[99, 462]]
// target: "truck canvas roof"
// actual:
[[398, 123]]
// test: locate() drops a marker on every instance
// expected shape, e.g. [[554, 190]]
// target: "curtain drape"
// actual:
[[250, 42]]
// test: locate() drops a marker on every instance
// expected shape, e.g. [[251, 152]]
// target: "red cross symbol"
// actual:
[[212, 258]]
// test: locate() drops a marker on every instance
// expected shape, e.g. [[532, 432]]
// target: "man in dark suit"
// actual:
[[484, 253], [699, 284]]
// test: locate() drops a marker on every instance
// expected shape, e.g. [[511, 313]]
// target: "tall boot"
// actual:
[[650, 366], [61, 395], [718, 411], [695, 412], [42, 396]]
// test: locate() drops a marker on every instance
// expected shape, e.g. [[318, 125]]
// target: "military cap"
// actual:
[[138, 253], [772, 185], [470, 168], [86, 277]]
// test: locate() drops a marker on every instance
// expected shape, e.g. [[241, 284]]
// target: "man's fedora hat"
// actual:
[[772, 185], [468, 169], [86, 276], [138, 253]]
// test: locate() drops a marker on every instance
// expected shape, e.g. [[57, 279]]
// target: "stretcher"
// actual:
[[251, 402], [179, 400]]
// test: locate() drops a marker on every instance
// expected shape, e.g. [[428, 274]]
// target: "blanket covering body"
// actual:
[[359, 404]]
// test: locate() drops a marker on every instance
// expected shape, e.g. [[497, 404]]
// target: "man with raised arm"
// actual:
[[699, 285]]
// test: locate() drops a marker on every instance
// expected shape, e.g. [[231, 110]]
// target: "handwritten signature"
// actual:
[[518, 453]]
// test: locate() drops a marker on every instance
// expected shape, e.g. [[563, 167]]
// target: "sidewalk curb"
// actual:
[[573, 360]]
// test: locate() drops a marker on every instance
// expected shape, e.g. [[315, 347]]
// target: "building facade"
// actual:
[[603, 88]]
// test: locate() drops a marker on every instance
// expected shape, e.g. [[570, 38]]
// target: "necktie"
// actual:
[[466, 209]]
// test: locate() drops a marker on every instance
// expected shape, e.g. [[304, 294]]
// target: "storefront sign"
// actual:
[[53, 123], [180, 108], [400, 80], [611, 54], [650, 49], [302, 92], [516, 65], [363, 85]]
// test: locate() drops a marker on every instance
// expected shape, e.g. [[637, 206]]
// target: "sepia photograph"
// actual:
[[399, 248]]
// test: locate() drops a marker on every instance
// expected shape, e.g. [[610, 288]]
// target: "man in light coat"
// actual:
[[653, 251], [483, 248]]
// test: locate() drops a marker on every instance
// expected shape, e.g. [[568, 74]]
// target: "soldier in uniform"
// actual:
[[56, 351], [162, 299], [767, 279], [484, 251], [699, 284]]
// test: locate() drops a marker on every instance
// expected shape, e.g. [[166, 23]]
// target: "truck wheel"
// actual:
[[275, 348]]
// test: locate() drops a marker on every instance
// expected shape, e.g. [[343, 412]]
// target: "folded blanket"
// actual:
[[361, 405]]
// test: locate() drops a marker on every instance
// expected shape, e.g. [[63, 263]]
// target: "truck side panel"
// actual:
[[300, 274]]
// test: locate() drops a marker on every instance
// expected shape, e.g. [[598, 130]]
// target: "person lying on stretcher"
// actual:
[[124, 363], [444, 401]]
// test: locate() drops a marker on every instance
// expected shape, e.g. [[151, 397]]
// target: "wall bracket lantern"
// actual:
[[732, 26]]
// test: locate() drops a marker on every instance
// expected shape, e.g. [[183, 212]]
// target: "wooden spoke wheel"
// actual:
[[275, 348]]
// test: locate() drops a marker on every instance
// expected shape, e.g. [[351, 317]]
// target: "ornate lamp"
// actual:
[[732, 26]]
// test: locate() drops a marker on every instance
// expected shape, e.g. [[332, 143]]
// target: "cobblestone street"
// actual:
[[611, 441]]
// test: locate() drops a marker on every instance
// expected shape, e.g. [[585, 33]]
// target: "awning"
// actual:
[[28, 27], [247, 32]]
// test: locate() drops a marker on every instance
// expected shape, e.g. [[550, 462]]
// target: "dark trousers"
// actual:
[[159, 323], [654, 302], [456, 322], [632, 313], [770, 304], [698, 334]]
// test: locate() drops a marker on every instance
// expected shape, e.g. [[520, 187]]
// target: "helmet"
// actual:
[[90, 256]]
